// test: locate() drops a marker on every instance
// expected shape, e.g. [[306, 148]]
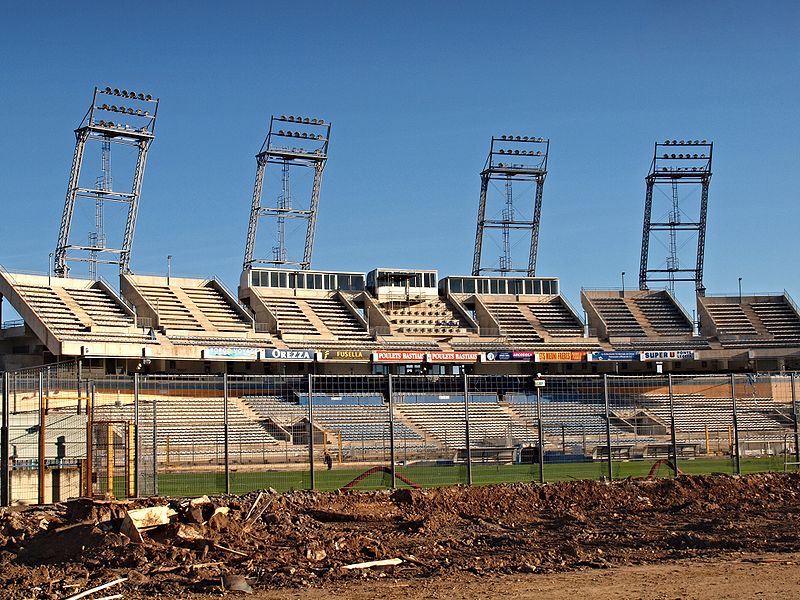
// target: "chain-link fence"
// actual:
[[126, 436]]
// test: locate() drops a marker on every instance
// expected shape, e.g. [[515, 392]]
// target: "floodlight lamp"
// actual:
[[516, 151], [664, 168], [694, 156], [140, 96], [680, 155], [674, 142], [299, 119], [108, 90], [104, 107], [672, 156], [525, 138], [702, 156], [306, 120], [290, 118], [110, 124], [296, 134], [305, 135], [499, 164], [517, 138], [538, 153], [148, 97], [319, 136], [502, 137], [130, 111], [147, 113], [665, 156], [704, 142], [501, 151], [113, 108], [666, 142], [321, 121], [314, 121]]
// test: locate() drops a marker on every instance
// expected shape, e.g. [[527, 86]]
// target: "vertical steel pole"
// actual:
[[136, 440], [672, 426], [89, 436], [226, 433], [5, 464], [155, 448], [392, 466], [608, 428], [41, 439], [541, 431], [466, 430], [736, 458], [794, 423], [313, 482]]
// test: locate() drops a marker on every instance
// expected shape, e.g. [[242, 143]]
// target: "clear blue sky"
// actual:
[[415, 90]]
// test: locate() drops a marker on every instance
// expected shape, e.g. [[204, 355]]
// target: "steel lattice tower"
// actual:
[[512, 160], [133, 126], [311, 138], [677, 166]]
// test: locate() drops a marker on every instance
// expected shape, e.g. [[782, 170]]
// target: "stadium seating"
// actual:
[[338, 319], [514, 325], [752, 321], [431, 316]]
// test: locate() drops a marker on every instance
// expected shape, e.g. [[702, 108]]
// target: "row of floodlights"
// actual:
[[524, 138], [505, 165], [309, 136], [670, 169], [302, 120], [677, 143], [298, 150], [126, 94], [117, 125], [684, 156], [525, 152], [127, 111]]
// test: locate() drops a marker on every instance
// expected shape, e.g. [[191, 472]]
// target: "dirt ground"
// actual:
[[691, 537]]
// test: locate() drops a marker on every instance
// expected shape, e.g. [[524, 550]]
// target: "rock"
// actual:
[[316, 555], [236, 583]]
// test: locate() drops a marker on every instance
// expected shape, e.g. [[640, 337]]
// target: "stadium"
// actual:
[[397, 378]]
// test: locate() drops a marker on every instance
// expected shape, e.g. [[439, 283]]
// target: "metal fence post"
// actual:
[[136, 453], [540, 428], [41, 452], [794, 422], [737, 463], [466, 430], [608, 428], [672, 426], [155, 447], [312, 480], [89, 437], [5, 492], [226, 433], [392, 466]]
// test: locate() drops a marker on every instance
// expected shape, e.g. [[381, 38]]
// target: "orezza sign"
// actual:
[[290, 355], [507, 355], [344, 355], [668, 355], [458, 357], [402, 356], [619, 356], [560, 356]]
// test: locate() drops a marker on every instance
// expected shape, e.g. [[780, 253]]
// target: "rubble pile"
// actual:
[[180, 547]]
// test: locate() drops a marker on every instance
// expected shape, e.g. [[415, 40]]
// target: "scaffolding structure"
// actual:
[[679, 170], [515, 162], [292, 143], [133, 125]]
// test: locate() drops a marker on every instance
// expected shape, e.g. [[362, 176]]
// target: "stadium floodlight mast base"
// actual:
[[133, 126], [311, 136], [512, 160], [680, 165]]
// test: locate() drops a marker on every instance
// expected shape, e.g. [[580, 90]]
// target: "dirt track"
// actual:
[[447, 538]]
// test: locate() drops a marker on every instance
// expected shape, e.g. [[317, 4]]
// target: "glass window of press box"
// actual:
[[346, 282], [401, 279], [500, 286]]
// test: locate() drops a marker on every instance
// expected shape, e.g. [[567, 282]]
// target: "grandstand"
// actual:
[[649, 319], [768, 321]]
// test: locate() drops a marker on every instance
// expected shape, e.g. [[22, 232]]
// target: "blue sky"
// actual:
[[414, 91]]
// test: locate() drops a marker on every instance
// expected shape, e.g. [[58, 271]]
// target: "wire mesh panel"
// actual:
[[268, 432], [353, 441], [640, 422], [430, 420], [503, 427], [47, 435], [181, 434], [765, 418], [704, 419], [573, 427]]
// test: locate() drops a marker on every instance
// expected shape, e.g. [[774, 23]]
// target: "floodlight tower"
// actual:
[[292, 143], [133, 125], [679, 168], [512, 160]]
